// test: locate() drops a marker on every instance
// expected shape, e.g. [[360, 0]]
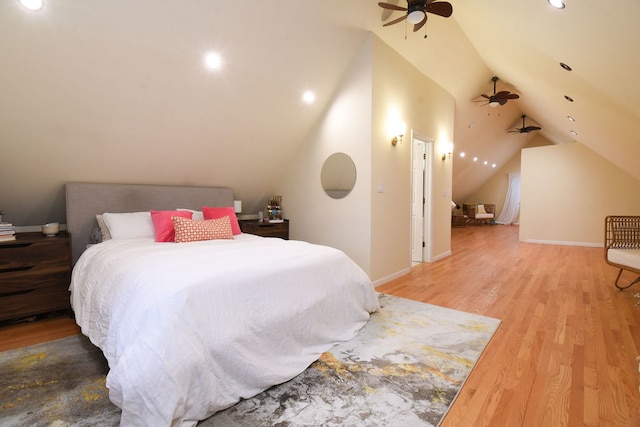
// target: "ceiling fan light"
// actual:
[[415, 17], [558, 4], [493, 104]]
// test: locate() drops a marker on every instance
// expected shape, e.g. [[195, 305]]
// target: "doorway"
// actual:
[[421, 195]]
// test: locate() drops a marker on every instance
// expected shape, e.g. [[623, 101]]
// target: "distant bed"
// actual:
[[190, 328]]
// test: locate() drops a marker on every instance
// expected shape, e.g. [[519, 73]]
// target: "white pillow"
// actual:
[[196, 214], [481, 210], [129, 225]]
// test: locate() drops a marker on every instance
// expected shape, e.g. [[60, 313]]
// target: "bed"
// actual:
[[189, 329]]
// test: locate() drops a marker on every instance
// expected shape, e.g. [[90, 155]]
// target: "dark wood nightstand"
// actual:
[[35, 273], [265, 229]]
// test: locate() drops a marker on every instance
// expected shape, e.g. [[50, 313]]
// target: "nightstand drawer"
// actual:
[[266, 229], [21, 254], [33, 301], [33, 277]]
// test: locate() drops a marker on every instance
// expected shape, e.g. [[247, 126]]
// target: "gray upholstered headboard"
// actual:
[[86, 200]]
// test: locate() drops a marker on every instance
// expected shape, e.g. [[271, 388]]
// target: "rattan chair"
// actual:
[[622, 245]]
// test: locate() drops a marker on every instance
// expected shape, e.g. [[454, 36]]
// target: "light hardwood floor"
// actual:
[[564, 354]]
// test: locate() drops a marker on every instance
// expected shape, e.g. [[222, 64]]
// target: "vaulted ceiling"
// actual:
[[523, 43], [103, 70]]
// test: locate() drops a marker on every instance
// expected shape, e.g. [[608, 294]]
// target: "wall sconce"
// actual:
[[447, 151], [400, 129]]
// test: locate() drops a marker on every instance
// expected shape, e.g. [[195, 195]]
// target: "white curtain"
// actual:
[[511, 210]]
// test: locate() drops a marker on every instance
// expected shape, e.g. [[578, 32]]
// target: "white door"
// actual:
[[422, 149], [417, 199]]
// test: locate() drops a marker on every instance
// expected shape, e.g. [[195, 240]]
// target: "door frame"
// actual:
[[426, 145]]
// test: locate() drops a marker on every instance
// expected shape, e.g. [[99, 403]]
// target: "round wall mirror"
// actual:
[[338, 175]]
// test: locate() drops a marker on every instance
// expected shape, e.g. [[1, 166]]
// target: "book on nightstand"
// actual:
[[7, 232]]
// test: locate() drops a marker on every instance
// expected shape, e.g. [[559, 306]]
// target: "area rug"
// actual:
[[404, 368]]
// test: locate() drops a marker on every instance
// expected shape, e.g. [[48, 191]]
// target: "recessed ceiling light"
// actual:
[[475, 159], [565, 66], [486, 162], [558, 4], [574, 133], [568, 98], [463, 154], [571, 118], [32, 5], [493, 165], [213, 61], [309, 97]]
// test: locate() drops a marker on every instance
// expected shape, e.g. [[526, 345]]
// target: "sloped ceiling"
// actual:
[[523, 43], [100, 72]]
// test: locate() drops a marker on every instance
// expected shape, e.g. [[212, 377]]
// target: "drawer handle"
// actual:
[[17, 245], [9, 294], [11, 270]]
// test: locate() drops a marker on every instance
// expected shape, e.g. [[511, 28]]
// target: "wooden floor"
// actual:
[[564, 355], [565, 352]]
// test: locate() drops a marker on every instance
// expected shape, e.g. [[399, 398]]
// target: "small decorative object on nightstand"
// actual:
[[274, 208], [265, 229], [35, 272]]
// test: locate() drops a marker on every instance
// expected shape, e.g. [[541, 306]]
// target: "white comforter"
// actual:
[[188, 329]]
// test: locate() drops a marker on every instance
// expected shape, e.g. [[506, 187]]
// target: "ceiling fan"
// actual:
[[417, 11], [524, 129], [501, 97]]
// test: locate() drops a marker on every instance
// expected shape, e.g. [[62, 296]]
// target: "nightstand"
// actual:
[[35, 273], [265, 229]]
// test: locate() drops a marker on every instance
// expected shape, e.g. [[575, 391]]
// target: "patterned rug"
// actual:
[[404, 368]]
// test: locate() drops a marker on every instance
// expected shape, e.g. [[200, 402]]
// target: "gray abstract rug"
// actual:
[[404, 368]]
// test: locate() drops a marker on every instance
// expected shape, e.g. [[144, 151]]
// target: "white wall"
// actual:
[[345, 127], [401, 92], [567, 190], [372, 228]]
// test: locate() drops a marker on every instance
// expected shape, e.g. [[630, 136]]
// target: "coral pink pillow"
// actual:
[[164, 226], [215, 213], [194, 230]]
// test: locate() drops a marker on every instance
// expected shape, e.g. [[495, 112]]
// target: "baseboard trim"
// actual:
[[441, 256], [390, 277], [561, 243]]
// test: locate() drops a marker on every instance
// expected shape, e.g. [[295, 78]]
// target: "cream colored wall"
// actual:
[[400, 92], [566, 192], [495, 189], [345, 127], [372, 228]]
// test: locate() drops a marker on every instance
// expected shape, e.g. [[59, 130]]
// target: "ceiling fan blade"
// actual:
[[395, 21], [441, 8], [513, 96], [420, 24], [532, 128], [502, 94], [485, 96], [391, 6], [502, 101]]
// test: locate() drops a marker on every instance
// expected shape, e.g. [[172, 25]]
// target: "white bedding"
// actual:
[[188, 329]]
